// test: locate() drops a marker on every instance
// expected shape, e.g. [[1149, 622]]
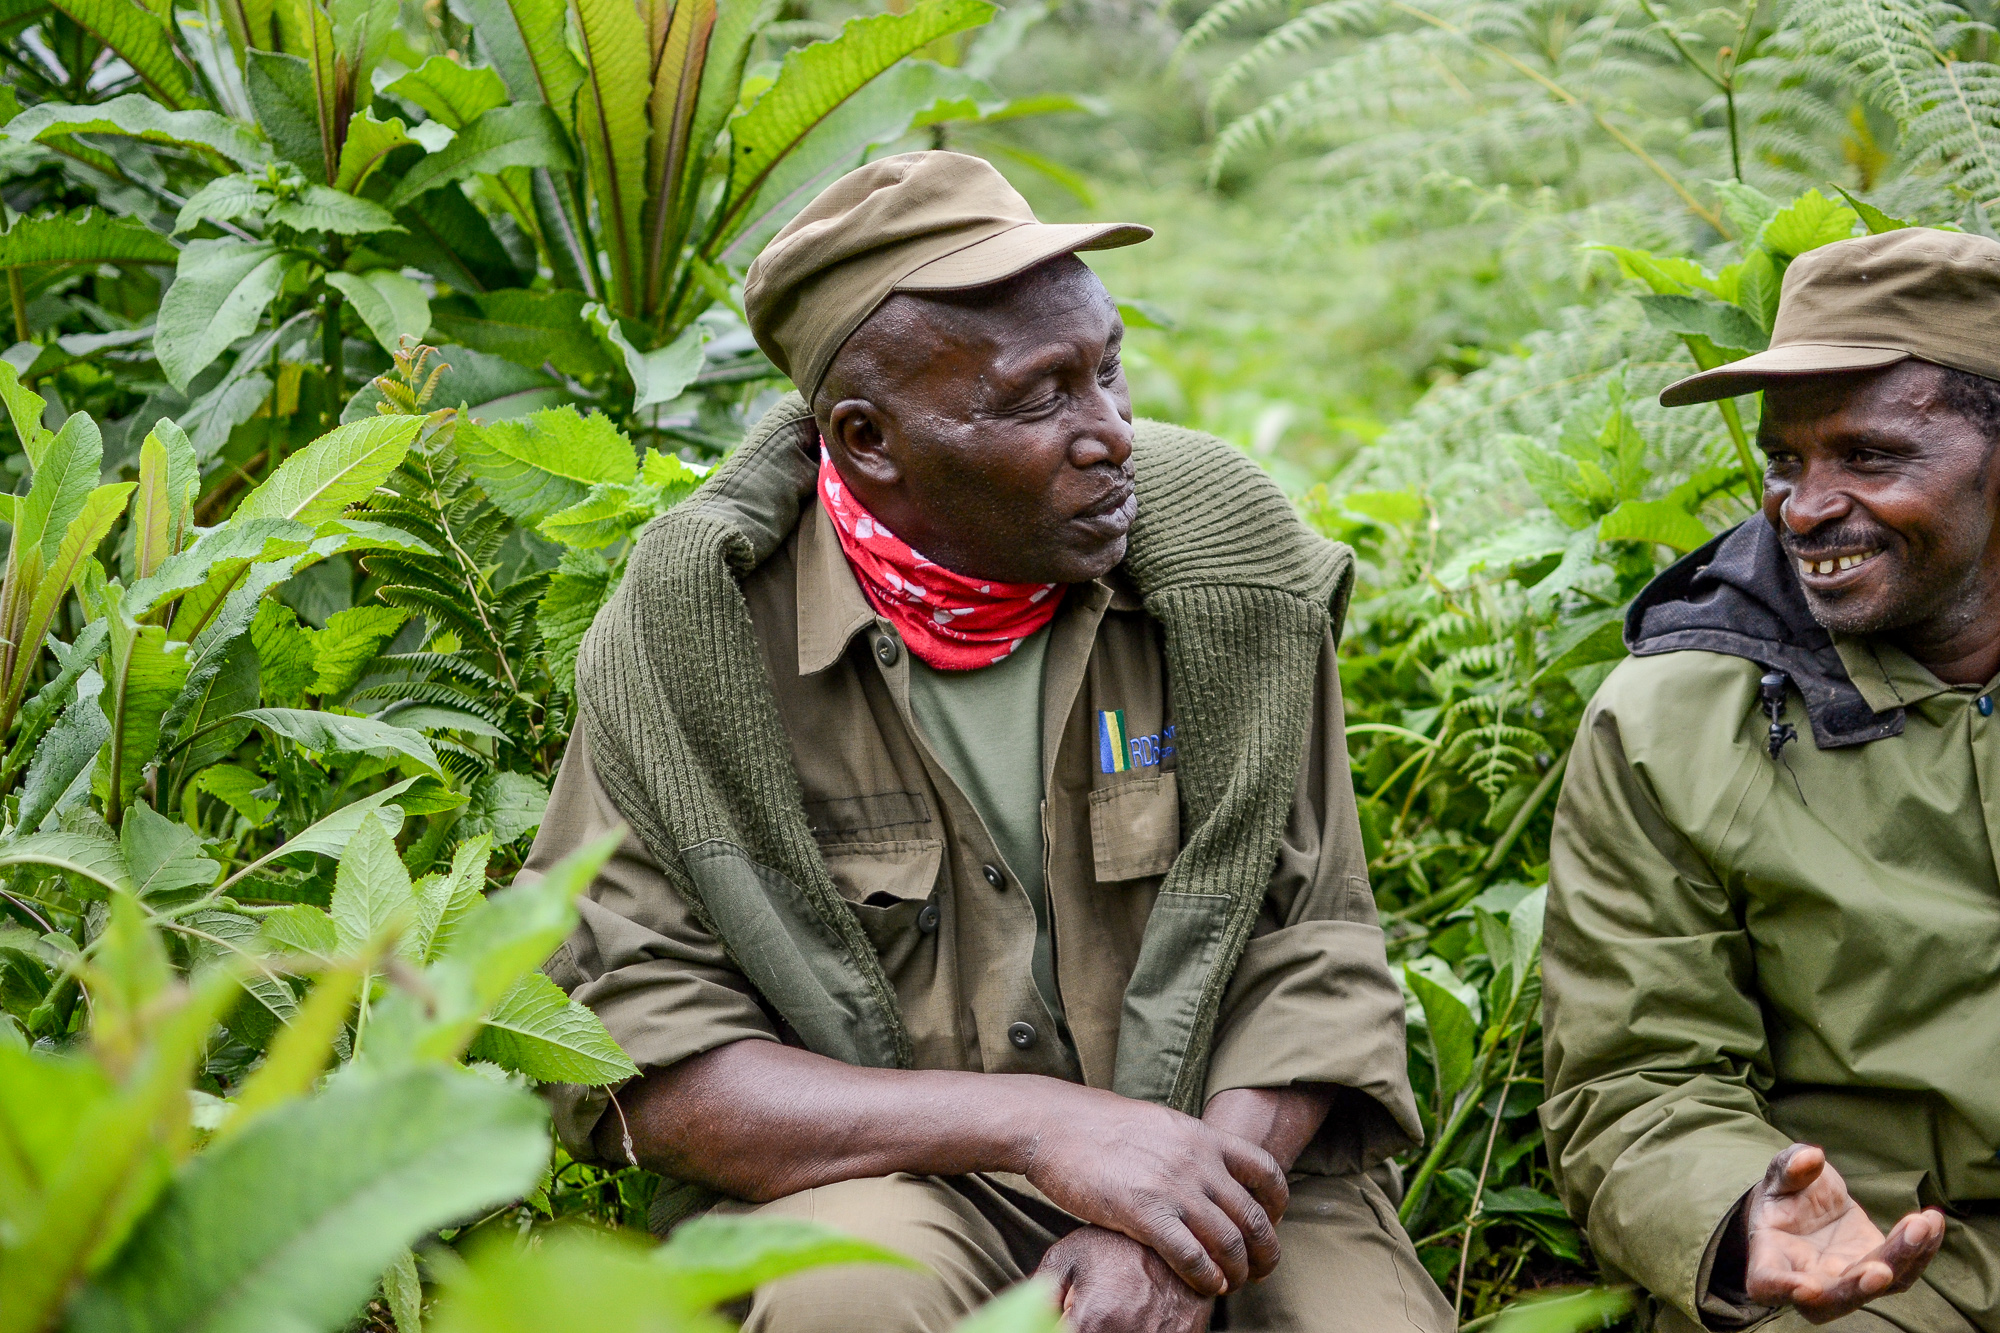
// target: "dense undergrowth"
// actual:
[[291, 603]]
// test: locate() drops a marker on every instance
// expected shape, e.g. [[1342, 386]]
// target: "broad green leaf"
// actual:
[[220, 290], [1872, 217], [288, 1223], [1726, 326], [323, 208], [1757, 286], [1808, 222], [225, 550], [392, 306], [816, 79], [1585, 640], [658, 376], [1747, 209], [714, 1260], [402, 1287], [525, 41], [143, 40], [527, 327], [24, 412], [84, 236], [506, 1289], [537, 1030], [349, 643], [369, 141], [580, 586], [281, 91], [163, 855], [1027, 1307], [506, 136], [548, 461], [610, 511], [1452, 1033], [436, 717], [336, 470], [679, 58], [143, 675], [90, 526], [333, 733], [237, 788], [152, 513], [737, 24], [140, 117], [65, 751], [62, 485], [1661, 521], [490, 388], [450, 239], [444, 901], [329, 835], [507, 805], [94, 858], [450, 92], [303, 929], [371, 890], [207, 731], [284, 652], [1599, 1307], [43, 1098], [612, 129], [511, 931]]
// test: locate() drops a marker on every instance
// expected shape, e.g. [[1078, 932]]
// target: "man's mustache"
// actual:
[[1825, 542]]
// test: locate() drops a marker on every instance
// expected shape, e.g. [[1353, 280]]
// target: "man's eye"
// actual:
[[1109, 370]]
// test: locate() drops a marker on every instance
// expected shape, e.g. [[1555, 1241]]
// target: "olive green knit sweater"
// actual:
[[686, 738]]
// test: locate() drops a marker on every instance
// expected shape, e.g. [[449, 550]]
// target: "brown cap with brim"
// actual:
[[1871, 302], [916, 222]]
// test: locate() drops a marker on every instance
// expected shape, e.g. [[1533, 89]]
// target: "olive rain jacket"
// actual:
[[1744, 951]]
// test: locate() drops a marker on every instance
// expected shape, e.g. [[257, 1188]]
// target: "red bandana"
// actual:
[[948, 620]]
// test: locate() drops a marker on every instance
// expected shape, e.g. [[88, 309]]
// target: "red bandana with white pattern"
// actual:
[[948, 620]]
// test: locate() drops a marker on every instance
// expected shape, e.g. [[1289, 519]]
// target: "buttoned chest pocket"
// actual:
[[1135, 828], [887, 885]]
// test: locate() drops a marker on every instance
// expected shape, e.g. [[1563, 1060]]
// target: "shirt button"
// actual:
[[1985, 705], [993, 876], [928, 918], [1022, 1035], [886, 651]]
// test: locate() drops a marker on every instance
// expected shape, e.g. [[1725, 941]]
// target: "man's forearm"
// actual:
[[757, 1120], [1281, 1121]]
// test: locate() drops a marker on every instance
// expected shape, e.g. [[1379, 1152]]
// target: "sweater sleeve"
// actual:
[[1657, 1057], [1313, 1000], [662, 984]]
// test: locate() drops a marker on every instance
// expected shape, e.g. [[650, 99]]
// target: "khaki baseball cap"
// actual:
[[1871, 302], [915, 222]]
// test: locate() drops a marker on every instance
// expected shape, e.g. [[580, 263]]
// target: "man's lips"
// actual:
[[1120, 500], [1828, 570]]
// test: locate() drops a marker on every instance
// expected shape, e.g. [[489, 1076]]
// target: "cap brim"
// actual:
[[1791, 361], [1016, 250]]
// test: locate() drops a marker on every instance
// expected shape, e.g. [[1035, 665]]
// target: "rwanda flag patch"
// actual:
[[1112, 752]]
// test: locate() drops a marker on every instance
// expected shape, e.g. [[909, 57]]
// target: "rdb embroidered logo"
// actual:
[[1120, 753]]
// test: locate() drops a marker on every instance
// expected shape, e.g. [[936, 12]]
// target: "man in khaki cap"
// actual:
[[994, 888], [1772, 957]]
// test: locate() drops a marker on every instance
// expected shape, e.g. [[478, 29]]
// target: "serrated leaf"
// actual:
[[369, 141], [606, 514], [392, 306], [537, 1030], [219, 294], [68, 748], [581, 584], [450, 92], [146, 44], [228, 691], [24, 413], [1661, 521], [371, 890], [338, 469], [505, 136], [84, 236], [816, 79], [302, 929], [333, 733], [548, 461], [285, 655], [323, 208], [1726, 326], [507, 805], [139, 117], [445, 901], [290, 1222], [350, 642], [1746, 207], [164, 856], [280, 87], [1872, 217], [1808, 222], [1757, 287], [1557, 478], [96, 859]]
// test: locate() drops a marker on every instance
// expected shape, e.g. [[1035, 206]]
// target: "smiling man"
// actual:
[[994, 888], [1773, 940]]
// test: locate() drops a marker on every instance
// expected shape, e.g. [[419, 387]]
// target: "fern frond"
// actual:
[[1309, 30], [1221, 18]]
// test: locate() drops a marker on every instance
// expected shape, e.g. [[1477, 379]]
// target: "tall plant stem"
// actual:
[[1745, 459], [1485, 1165], [1469, 1102], [19, 293], [331, 352], [1569, 98]]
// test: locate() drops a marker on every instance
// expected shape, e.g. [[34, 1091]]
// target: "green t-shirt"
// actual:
[[985, 726]]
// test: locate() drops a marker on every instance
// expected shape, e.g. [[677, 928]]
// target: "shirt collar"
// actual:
[[1887, 676], [832, 609]]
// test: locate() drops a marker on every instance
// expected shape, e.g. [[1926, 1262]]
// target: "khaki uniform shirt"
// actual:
[[1741, 953], [1312, 999]]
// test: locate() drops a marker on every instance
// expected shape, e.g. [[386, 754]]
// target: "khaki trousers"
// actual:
[[1348, 1266]]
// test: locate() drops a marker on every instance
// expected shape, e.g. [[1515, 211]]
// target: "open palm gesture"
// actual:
[[1812, 1245]]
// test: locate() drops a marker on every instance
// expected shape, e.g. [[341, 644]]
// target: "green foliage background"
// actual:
[[292, 603]]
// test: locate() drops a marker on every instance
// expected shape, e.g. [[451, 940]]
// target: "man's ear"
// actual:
[[859, 433]]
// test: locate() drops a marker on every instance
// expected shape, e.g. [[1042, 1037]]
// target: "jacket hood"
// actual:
[[1738, 596]]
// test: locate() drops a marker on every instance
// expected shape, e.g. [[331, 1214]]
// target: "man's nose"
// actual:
[[1812, 501], [1108, 437]]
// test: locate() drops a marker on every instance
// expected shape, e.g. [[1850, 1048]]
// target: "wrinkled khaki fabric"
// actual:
[[1742, 953], [1312, 999]]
